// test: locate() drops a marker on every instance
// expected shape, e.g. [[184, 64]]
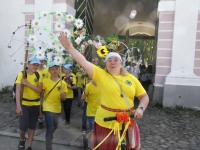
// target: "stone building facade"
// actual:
[[177, 78]]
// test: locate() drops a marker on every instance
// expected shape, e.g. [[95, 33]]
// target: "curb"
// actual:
[[42, 139]]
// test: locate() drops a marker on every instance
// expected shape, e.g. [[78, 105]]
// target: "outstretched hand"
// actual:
[[64, 41]]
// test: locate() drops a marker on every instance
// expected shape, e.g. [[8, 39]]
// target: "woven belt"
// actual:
[[29, 100], [116, 110]]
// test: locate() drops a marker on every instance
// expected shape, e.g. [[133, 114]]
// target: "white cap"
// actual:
[[113, 54]]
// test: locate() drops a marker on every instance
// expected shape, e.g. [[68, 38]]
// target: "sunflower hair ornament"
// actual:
[[102, 51]]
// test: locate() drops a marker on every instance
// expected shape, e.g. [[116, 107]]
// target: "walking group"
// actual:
[[105, 94]]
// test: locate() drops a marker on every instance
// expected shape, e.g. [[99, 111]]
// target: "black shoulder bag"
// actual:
[[51, 90]]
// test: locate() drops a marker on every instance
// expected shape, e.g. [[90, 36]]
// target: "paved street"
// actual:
[[10, 143], [161, 129]]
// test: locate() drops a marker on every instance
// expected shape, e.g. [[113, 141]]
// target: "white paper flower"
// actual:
[[44, 14], [52, 44], [59, 15], [58, 60], [35, 23], [40, 55], [67, 33], [32, 39], [59, 26], [60, 49], [78, 23], [69, 18]]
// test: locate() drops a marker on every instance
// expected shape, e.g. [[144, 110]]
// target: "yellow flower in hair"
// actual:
[[102, 51]]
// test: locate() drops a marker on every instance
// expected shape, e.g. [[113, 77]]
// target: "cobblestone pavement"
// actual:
[[160, 128]]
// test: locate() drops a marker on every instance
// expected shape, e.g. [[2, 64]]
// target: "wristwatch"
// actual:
[[141, 107]]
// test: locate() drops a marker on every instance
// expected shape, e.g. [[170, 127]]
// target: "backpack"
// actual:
[[36, 74]]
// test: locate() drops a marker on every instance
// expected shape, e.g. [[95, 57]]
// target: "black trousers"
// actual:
[[67, 106]]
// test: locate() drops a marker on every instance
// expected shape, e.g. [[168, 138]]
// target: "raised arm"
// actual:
[[78, 57]]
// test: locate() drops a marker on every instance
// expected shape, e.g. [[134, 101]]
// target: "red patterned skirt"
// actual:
[[111, 142]]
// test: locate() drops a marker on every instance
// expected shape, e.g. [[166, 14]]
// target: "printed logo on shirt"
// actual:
[[36, 80], [58, 88], [43, 75], [128, 82]]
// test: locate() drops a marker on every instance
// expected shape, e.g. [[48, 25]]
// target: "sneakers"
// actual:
[[67, 125], [84, 132], [29, 148], [21, 145]]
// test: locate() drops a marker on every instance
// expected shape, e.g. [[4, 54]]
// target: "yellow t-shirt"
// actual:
[[53, 102], [80, 80], [28, 93], [111, 94], [62, 74], [44, 73], [85, 81], [92, 98], [70, 93]]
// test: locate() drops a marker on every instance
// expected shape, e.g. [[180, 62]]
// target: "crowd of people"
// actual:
[[101, 93], [142, 72]]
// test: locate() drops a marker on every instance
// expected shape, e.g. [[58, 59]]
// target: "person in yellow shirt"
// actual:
[[54, 90], [84, 103], [92, 96], [44, 74], [43, 70], [80, 85], [84, 107], [70, 80], [118, 89], [28, 104]]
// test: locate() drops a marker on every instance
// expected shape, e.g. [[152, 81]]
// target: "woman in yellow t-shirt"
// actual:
[[114, 84]]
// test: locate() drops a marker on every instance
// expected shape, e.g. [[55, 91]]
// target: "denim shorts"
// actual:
[[29, 118]]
